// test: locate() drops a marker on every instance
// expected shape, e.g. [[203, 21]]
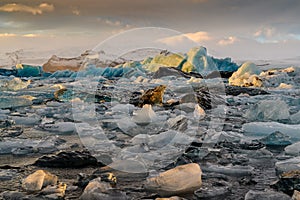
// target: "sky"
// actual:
[[241, 29]]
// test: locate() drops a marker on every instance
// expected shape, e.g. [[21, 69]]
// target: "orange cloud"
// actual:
[[14, 7], [197, 37], [228, 41], [7, 35]]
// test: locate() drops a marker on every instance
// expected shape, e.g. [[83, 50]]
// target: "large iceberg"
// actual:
[[199, 61], [196, 60]]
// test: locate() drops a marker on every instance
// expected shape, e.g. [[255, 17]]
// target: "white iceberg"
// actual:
[[246, 75]]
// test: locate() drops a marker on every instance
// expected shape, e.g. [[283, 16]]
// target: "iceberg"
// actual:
[[198, 61], [246, 75], [170, 60], [28, 70]]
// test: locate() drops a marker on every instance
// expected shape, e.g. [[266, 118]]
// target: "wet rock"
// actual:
[[178, 123], [216, 191], [54, 191], [276, 139], [288, 182], [234, 171], [219, 74], [268, 195], [236, 90], [101, 190], [171, 198], [12, 195], [7, 174], [39, 179], [183, 179], [73, 159], [172, 71]]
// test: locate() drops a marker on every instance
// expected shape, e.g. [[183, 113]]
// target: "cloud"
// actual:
[[228, 41], [76, 11], [268, 35], [110, 22], [31, 35], [14, 7], [265, 32], [197, 37], [7, 35]]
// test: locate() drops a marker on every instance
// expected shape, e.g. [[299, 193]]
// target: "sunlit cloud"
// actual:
[[40, 9], [31, 35], [228, 41], [76, 11], [7, 35], [197, 37]]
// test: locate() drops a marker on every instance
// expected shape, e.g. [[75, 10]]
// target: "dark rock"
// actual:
[[269, 195], [96, 189], [172, 71], [219, 74], [217, 191], [236, 90], [73, 159], [12, 195], [288, 182]]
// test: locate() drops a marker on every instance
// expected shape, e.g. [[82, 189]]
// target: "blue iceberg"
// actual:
[[28, 70]]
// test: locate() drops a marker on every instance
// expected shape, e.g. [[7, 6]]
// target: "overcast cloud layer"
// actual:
[[242, 29]]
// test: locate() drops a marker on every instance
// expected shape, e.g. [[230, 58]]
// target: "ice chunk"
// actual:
[[14, 102], [269, 110], [145, 115], [27, 121], [266, 128], [28, 70], [60, 127], [295, 118], [276, 139], [287, 165], [246, 75], [293, 149], [15, 84]]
